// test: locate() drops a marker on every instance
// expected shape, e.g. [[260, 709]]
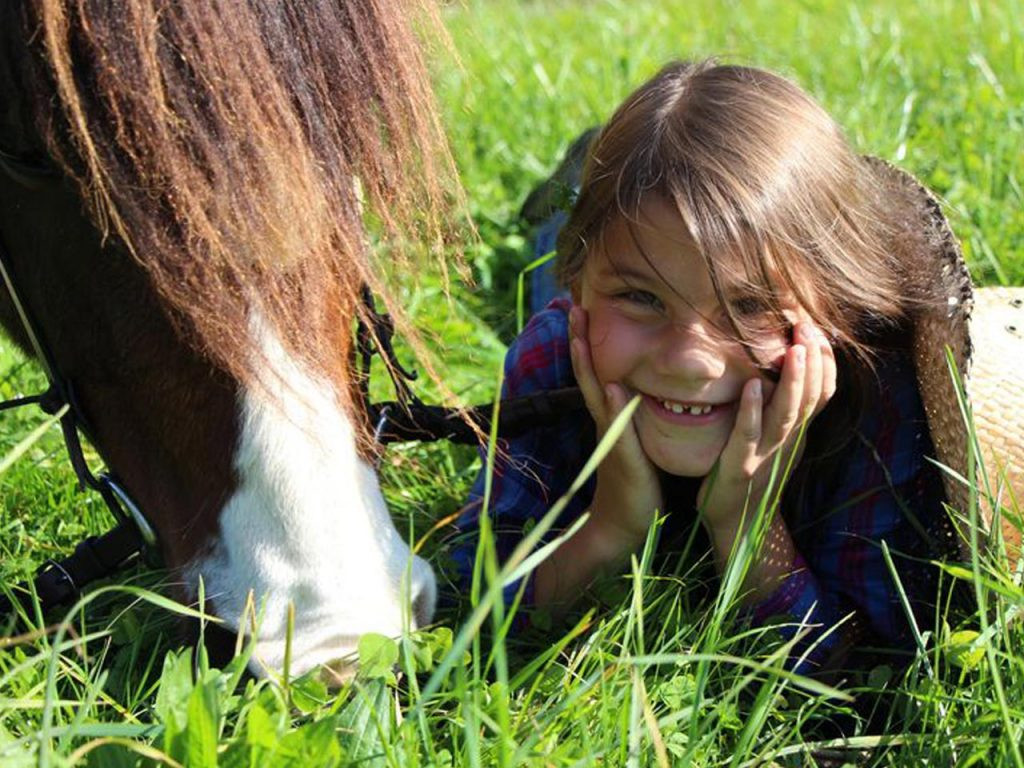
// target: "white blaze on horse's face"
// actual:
[[308, 525]]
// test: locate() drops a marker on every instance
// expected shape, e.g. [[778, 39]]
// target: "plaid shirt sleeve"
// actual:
[[531, 471], [884, 491]]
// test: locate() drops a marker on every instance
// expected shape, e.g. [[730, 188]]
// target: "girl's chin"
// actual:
[[691, 454], [689, 469], [692, 463]]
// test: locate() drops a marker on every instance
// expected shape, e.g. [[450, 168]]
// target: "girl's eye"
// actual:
[[639, 298], [749, 306]]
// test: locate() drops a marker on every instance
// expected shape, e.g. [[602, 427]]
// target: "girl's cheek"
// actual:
[[614, 345], [602, 339]]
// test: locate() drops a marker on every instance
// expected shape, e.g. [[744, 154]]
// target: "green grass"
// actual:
[[655, 673]]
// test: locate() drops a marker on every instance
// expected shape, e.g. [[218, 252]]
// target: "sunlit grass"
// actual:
[[655, 672]]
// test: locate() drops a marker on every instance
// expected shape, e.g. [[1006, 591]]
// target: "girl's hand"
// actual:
[[628, 489], [807, 383]]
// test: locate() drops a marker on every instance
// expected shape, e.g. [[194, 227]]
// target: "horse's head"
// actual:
[[193, 260]]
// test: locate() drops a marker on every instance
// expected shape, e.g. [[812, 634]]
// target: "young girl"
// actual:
[[733, 264]]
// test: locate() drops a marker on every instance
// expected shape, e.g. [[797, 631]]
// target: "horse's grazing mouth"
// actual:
[[307, 525]]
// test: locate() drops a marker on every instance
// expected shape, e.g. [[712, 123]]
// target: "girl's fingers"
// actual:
[[627, 459], [829, 375], [741, 448], [615, 398], [782, 414], [582, 367], [820, 381], [814, 374]]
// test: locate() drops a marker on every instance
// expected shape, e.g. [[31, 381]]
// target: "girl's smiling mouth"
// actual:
[[686, 413]]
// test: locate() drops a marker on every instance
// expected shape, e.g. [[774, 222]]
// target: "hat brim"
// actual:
[[978, 333]]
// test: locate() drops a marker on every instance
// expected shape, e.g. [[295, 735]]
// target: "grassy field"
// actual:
[[652, 676]]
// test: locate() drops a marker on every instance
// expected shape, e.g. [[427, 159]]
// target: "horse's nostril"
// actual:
[[424, 592]]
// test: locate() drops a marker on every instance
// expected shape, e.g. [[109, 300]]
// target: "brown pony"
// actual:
[[194, 265]]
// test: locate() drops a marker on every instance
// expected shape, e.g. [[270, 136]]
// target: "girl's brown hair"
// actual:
[[764, 181], [769, 190]]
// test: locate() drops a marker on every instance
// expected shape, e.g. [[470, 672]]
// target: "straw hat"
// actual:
[[983, 329]]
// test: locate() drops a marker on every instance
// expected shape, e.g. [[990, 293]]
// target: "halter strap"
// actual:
[[59, 581], [429, 423], [409, 419]]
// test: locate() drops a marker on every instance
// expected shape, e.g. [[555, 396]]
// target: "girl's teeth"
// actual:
[[695, 410]]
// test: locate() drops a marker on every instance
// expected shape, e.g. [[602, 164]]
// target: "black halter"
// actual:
[[409, 419], [406, 419], [60, 581]]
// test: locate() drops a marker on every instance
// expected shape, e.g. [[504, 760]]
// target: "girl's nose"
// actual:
[[690, 351]]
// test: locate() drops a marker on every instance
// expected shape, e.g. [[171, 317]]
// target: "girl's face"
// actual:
[[656, 327]]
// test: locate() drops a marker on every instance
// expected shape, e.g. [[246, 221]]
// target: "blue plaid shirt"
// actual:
[[883, 489]]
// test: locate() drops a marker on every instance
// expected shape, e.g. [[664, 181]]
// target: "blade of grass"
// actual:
[[523, 549]]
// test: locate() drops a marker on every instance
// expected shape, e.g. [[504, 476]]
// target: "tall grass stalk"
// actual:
[[653, 671]]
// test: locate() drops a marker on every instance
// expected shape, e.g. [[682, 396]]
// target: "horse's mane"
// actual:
[[237, 150]]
